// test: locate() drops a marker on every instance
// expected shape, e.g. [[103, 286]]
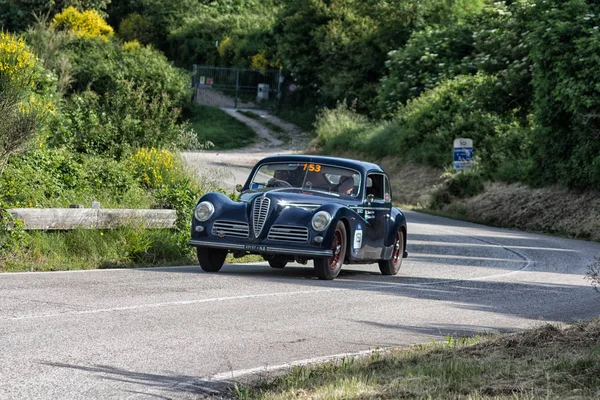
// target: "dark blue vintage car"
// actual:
[[333, 211]]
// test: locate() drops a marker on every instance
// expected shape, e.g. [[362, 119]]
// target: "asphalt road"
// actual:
[[166, 332]]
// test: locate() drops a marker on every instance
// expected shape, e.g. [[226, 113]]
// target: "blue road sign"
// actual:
[[463, 154]]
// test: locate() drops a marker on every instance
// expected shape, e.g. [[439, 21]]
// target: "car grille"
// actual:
[[260, 211], [231, 228], [286, 233]]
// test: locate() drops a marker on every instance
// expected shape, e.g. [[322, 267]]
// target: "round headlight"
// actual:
[[321, 220], [204, 211]]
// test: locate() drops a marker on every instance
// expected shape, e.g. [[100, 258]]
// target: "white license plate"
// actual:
[[254, 247]]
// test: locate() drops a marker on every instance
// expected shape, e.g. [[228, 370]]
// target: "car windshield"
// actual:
[[316, 177]]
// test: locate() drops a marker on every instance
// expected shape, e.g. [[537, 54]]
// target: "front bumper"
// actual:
[[262, 249]]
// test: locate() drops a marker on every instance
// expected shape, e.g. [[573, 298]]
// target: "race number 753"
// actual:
[[312, 167]]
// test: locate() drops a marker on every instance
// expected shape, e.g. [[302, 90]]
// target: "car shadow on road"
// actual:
[[152, 385], [569, 300]]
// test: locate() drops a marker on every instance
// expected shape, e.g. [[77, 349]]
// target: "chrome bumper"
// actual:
[[262, 249]]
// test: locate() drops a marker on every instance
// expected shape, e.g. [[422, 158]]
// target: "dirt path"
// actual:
[[230, 167]]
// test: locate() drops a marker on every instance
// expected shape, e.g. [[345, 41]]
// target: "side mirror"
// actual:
[[370, 199], [238, 188]]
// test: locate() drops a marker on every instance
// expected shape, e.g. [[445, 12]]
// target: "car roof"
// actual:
[[361, 166]]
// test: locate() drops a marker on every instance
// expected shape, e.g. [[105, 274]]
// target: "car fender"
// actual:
[[225, 208], [338, 213], [397, 221]]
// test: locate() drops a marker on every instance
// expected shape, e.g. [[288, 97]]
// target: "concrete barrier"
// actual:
[[90, 218]]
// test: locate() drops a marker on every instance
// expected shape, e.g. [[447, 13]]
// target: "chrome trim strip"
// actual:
[[270, 249], [301, 205], [288, 233], [369, 208]]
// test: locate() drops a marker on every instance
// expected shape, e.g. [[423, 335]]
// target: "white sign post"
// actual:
[[463, 154]]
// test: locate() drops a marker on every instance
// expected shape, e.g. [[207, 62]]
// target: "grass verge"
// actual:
[[225, 132], [97, 249], [278, 131], [303, 117], [546, 362], [549, 210]]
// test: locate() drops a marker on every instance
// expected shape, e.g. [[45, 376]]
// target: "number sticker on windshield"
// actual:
[[312, 167]]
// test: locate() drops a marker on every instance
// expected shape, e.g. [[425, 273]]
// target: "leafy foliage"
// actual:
[[565, 46], [122, 119], [102, 66], [18, 15]]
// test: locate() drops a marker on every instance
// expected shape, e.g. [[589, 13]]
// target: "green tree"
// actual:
[[565, 46], [17, 15]]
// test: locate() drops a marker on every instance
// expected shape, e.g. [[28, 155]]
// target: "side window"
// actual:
[[375, 186], [387, 193]]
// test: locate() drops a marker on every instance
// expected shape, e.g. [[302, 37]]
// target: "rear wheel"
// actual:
[[392, 266], [329, 268], [278, 262], [211, 260]]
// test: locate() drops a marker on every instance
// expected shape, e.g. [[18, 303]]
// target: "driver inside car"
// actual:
[[280, 179], [346, 185]]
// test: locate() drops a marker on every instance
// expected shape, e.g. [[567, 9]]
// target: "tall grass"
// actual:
[[223, 131], [94, 249]]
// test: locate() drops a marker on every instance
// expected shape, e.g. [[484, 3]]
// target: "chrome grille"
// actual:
[[289, 233], [260, 211], [231, 228]]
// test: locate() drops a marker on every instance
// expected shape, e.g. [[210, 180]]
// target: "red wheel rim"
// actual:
[[397, 254], [336, 247]]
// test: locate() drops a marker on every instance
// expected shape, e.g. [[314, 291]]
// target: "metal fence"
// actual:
[[236, 87]]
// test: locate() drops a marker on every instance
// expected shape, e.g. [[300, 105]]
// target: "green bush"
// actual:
[[137, 27], [459, 185], [103, 66], [57, 178], [122, 119], [339, 126], [423, 131]]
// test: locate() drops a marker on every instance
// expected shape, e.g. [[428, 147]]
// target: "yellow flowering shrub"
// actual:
[[22, 105], [17, 64], [154, 167], [259, 62], [132, 45], [88, 24], [226, 49]]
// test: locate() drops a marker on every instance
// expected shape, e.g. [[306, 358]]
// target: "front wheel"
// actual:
[[392, 266], [211, 260], [330, 267]]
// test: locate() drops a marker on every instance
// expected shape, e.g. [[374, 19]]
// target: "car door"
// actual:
[[376, 214]]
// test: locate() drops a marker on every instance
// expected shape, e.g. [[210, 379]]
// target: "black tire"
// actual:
[[211, 260], [393, 265], [278, 262], [329, 267]]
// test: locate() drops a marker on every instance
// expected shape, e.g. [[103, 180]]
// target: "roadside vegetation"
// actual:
[[219, 130], [546, 362], [277, 130], [86, 84], [91, 118]]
